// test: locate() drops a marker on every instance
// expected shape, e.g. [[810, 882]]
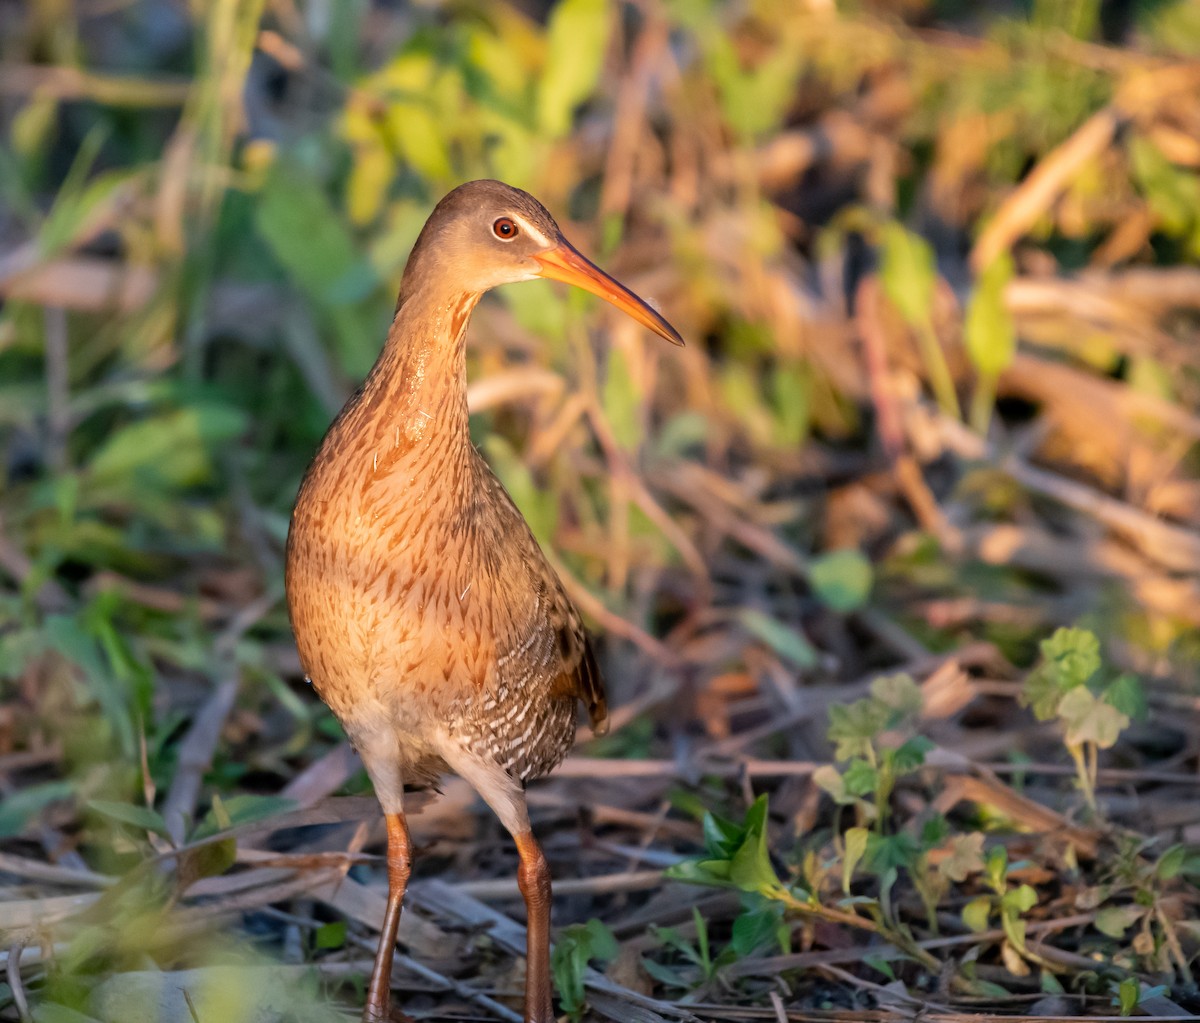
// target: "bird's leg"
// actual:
[[399, 866], [506, 795], [533, 878]]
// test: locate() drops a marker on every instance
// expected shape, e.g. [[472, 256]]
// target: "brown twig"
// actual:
[[1021, 210]]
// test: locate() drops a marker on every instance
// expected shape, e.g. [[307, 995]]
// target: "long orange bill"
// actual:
[[564, 263]]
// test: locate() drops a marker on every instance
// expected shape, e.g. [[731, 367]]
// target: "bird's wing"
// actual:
[[580, 675], [547, 648], [540, 639]]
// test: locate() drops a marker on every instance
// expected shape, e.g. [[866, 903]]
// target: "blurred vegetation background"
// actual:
[[937, 264]]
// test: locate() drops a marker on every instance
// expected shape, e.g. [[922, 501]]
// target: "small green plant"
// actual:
[[1129, 994], [575, 948], [1009, 903], [876, 741], [737, 856], [877, 744], [702, 964], [1137, 907], [1092, 706], [875, 738]]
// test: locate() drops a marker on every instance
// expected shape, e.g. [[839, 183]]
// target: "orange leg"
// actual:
[[399, 866], [533, 877]]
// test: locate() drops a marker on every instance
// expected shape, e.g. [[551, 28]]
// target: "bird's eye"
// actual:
[[504, 229]]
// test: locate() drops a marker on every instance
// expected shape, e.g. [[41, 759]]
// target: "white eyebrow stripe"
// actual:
[[527, 226]]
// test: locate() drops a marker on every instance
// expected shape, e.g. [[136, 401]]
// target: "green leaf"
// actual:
[[218, 818], [721, 837], [756, 814], [910, 755], [311, 242], [841, 579], [1171, 862], [881, 965], [298, 222], [751, 870], [622, 403], [330, 935], [791, 399], [856, 846], [1116, 920], [1073, 654], [861, 777], [996, 868], [75, 212], [754, 928], [602, 943], [538, 307], [672, 939], [754, 97], [701, 926], [718, 870], [539, 505], [1128, 995], [853, 726], [1128, 695], [372, 170], [1070, 657], [661, 972], [886, 853], [33, 125], [209, 859], [1020, 899], [788, 643], [706, 872], [1050, 984], [576, 40], [19, 808], [989, 333], [1089, 719], [576, 946], [126, 813], [908, 273], [172, 449], [70, 636], [420, 138], [1172, 194], [1041, 692], [934, 831], [975, 914]]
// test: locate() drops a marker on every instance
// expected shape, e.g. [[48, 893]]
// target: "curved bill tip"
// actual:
[[564, 263]]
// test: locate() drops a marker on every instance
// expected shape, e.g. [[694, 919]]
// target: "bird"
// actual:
[[425, 613]]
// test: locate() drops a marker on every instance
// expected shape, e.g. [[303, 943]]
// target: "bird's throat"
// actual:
[[419, 384]]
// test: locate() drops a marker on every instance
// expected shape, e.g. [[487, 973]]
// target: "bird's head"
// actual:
[[486, 233]]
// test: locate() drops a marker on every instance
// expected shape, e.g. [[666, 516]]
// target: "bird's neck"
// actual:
[[419, 383]]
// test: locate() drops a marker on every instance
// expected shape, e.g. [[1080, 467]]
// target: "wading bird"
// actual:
[[426, 615]]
